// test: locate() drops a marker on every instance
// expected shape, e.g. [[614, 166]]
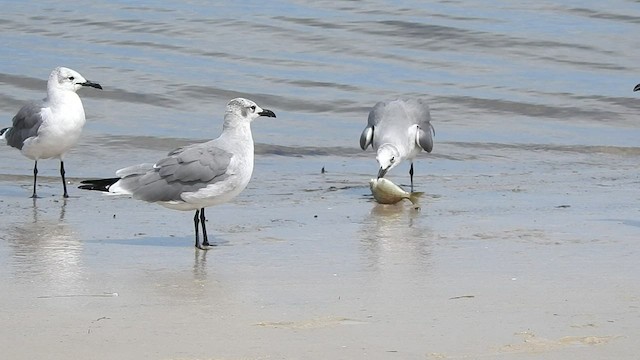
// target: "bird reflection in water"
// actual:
[[45, 248], [396, 234], [200, 265]]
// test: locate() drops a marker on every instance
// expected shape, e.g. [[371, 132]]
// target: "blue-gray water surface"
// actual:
[[548, 73]]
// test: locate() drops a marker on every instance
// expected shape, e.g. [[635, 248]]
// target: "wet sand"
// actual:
[[506, 259]]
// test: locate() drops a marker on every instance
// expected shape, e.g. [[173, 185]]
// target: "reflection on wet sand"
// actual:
[[45, 248], [200, 265], [396, 234], [183, 285]]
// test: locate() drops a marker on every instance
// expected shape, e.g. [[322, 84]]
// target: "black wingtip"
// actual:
[[636, 88], [98, 184]]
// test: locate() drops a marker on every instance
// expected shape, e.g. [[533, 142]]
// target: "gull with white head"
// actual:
[[196, 176], [398, 130], [49, 128]]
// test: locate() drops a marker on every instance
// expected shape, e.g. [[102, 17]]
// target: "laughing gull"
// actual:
[[398, 130], [195, 176], [50, 127]]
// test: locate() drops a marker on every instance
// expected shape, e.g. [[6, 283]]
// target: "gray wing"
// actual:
[[25, 124], [375, 116], [139, 169], [424, 138], [185, 169], [366, 137], [394, 115], [419, 112]]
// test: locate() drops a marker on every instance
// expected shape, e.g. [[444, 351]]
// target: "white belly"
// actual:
[[49, 146], [54, 138]]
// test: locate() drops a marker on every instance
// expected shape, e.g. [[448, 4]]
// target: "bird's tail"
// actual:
[[98, 184], [414, 197], [3, 132]]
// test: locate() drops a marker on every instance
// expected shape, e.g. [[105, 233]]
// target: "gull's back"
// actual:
[[391, 121], [184, 170]]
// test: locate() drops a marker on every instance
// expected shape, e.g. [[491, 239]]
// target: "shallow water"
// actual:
[[527, 235], [544, 73]]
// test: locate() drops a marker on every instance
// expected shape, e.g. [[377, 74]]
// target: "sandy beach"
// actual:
[[504, 260]]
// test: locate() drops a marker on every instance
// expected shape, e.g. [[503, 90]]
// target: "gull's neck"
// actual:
[[57, 98], [237, 130]]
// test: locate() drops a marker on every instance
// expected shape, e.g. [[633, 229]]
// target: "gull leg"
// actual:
[[411, 176], [205, 240], [64, 181], [196, 219], [35, 176], [200, 218]]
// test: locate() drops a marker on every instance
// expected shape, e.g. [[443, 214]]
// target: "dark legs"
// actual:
[[35, 179], [196, 221], [411, 176], [200, 218], [35, 176], [205, 240], [64, 181]]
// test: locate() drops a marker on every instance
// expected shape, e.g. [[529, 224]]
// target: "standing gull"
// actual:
[[398, 130], [50, 127], [195, 176]]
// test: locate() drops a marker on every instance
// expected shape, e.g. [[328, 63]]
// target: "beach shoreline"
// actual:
[[511, 261]]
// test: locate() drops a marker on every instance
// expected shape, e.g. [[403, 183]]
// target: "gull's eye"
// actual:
[[71, 78], [253, 108], [393, 159]]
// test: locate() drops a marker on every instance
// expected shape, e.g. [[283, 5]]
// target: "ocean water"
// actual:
[[498, 72]]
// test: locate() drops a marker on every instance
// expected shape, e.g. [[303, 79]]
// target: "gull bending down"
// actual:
[[50, 127], [398, 130], [196, 176]]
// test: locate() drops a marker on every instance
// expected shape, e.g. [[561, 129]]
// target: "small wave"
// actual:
[[167, 144]]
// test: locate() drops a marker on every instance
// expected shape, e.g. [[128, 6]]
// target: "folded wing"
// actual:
[[184, 170]]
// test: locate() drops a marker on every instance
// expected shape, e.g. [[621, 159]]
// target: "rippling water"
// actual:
[[550, 72]]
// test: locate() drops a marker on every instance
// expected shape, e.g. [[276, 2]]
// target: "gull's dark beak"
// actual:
[[92, 84], [636, 88], [382, 172], [267, 113]]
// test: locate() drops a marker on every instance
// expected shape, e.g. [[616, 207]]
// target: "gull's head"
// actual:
[[247, 110], [63, 78], [388, 157]]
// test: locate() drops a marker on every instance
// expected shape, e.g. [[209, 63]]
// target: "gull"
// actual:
[[195, 176], [398, 130], [49, 128]]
